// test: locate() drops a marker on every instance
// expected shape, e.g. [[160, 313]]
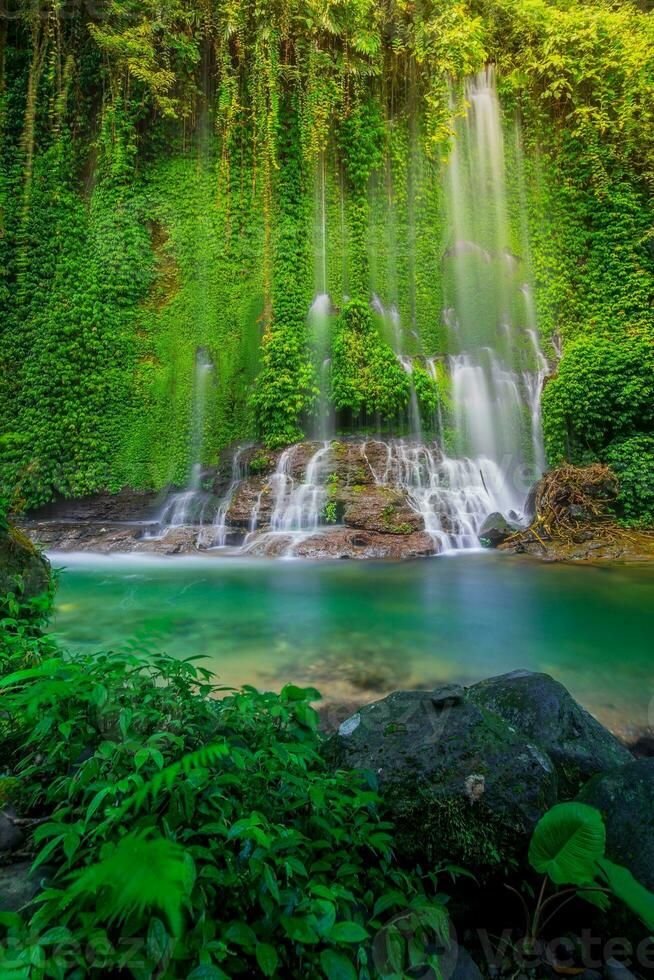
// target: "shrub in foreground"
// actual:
[[184, 835]]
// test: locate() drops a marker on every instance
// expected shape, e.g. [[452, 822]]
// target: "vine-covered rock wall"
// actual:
[[177, 177]]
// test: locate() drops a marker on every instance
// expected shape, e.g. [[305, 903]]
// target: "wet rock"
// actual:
[[352, 543], [625, 798], [465, 967], [382, 509], [258, 461], [642, 747], [255, 494], [458, 781], [116, 539], [359, 463], [18, 885], [496, 530], [447, 696], [615, 970], [529, 509], [542, 710], [11, 836], [22, 567], [342, 542], [349, 465], [125, 505]]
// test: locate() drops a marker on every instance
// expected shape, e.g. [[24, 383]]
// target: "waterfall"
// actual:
[[496, 366], [187, 506], [297, 506], [215, 535], [390, 319], [452, 496], [319, 336], [415, 423], [483, 446]]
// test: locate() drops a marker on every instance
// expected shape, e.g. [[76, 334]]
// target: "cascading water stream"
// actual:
[[297, 506], [415, 423], [496, 367], [319, 336], [215, 535], [187, 506], [487, 443]]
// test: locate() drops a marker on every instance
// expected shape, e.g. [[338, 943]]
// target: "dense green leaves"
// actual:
[[165, 168], [632, 461], [568, 846], [600, 405], [366, 376], [200, 823], [623, 884]]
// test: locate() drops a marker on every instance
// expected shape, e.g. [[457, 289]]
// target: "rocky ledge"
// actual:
[[347, 498], [572, 515], [359, 510]]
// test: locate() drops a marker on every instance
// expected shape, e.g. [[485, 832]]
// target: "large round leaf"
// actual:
[[567, 843]]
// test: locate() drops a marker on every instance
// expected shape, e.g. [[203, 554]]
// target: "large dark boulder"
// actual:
[[22, 567], [542, 710], [457, 780], [625, 797]]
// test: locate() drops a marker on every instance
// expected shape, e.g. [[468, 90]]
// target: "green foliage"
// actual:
[[632, 461], [366, 376], [286, 387], [600, 405], [625, 887], [603, 388], [157, 170], [330, 512], [205, 831], [568, 846], [426, 390], [360, 141], [566, 843]]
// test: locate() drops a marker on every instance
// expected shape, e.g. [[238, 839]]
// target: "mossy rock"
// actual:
[[381, 509], [458, 781], [625, 798], [496, 530], [543, 711], [23, 569]]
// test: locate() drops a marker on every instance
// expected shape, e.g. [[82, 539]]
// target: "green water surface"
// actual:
[[357, 630]]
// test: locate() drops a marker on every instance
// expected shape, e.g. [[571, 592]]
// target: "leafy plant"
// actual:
[[366, 376], [568, 848], [632, 461], [199, 824]]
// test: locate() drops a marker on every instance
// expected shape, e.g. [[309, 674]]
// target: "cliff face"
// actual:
[[293, 198]]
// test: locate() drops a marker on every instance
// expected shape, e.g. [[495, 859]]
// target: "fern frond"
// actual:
[[137, 876], [208, 755]]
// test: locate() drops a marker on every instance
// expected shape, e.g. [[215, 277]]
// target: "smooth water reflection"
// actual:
[[357, 630]]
